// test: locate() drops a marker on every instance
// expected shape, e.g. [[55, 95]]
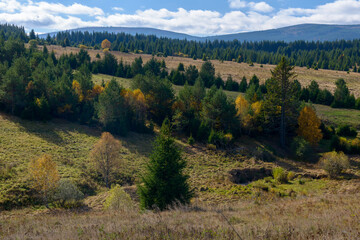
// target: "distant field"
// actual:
[[325, 78]]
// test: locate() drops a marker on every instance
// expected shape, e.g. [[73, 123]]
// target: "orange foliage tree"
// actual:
[[309, 126], [105, 156], [105, 44], [44, 175], [249, 114]]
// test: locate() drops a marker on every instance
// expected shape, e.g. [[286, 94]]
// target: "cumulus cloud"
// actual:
[[118, 9], [249, 17], [237, 3], [254, 6], [260, 7]]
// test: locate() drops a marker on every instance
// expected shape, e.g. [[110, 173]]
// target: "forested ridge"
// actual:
[[335, 55]]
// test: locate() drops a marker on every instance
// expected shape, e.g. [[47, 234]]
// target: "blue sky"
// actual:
[[195, 17]]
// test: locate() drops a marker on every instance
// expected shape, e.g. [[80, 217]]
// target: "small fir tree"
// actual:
[[165, 183]]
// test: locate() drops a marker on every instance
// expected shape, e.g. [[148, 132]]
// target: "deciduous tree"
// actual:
[[309, 125], [106, 156], [44, 175], [105, 44]]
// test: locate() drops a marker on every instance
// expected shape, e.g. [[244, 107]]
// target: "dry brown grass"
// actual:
[[325, 78], [332, 216]]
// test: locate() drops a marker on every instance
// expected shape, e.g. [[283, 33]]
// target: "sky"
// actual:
[[194, 17]]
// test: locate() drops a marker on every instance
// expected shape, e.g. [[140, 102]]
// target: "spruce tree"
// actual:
[[282, 99], [165, 183]]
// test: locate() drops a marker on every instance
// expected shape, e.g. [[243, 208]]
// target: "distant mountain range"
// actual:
[[306, 32]]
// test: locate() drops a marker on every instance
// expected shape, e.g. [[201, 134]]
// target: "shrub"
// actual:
[[67, 194], [280, 175], [203, 132], [301, 149], [334, 163], [118, 200], [355, 146], [191, 140], [327, 131], [290, 176], [220, 139], [346, 131], [345, 145]]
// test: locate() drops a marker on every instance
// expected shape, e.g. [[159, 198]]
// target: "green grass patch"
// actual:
[[337, 116]]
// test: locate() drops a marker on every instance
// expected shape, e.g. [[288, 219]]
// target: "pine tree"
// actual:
[[281, 104], [165, 183]]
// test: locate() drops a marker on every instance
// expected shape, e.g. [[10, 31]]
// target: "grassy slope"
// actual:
[[325, 78], [248, 208]]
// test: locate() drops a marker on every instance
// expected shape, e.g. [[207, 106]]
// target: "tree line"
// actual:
[[335, 55]]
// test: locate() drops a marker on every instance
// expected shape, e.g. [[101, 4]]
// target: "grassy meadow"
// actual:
[[262, 209], [235, 193], [325, 78]]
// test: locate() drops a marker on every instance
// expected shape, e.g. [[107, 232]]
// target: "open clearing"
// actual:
[[300, 209], [325, 78]]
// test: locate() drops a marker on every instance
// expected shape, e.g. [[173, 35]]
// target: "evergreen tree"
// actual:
[[207, 74], [281, 104], [243, 85], [313, 91], [111, 109], [165, 183]]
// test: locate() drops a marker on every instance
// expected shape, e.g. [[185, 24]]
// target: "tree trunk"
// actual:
[[282, 126]]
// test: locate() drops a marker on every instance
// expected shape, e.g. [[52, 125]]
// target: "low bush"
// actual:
[[346, 131], [67, 194], [301, 149], [280, 175], [191, 140], [220, 139], [327, 131], [118, 200], [334, 163], [350, 146]]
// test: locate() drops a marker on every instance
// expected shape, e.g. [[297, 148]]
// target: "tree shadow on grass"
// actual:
[[56, 131]]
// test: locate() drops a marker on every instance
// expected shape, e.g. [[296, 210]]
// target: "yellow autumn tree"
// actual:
[[105, 156], [309, 126], [77, 88], [242, 106], [135, 101], [44, 175], [96, 91], [105, 44]]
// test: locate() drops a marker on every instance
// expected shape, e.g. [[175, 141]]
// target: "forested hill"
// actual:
[[305, 32], [132, 31]]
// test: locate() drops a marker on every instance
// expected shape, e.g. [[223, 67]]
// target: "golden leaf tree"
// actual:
[[105, 44], [242, 106], [105, 156], [44, 175], [309, 126]]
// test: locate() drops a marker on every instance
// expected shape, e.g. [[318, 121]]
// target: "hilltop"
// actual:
[[306, 32]]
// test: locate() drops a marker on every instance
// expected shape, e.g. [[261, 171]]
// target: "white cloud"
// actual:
[[237, 4], [118, 9], [260, 7], [256, 16]]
